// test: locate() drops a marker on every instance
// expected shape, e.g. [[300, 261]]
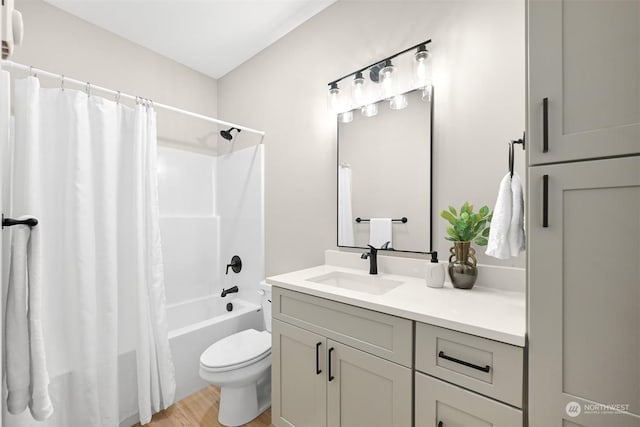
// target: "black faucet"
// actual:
[[231, 290], [373, 259]]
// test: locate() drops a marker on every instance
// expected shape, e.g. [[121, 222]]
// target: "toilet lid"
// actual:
[[237, 349]]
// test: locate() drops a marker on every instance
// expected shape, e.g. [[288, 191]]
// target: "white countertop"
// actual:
[[491, 313]]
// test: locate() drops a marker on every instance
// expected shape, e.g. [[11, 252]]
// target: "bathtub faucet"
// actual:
[[231, 290]]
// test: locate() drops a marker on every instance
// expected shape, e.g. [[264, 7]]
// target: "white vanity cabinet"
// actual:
[[483, 380], [338, 365], [583, 79]]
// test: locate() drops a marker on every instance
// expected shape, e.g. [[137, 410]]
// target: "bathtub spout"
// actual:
[[231, 290]]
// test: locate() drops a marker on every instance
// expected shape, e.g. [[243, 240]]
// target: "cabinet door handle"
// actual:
[[545, 201], [440, 424], [318, 370], [331, 377], [545, 125], [485, 368]]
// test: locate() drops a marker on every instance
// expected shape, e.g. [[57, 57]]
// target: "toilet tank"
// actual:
[[265, 291]]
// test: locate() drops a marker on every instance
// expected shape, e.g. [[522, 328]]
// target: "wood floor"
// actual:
[[199, 410]]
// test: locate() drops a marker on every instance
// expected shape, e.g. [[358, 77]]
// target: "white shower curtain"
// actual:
[[86, 167], [345, 212]]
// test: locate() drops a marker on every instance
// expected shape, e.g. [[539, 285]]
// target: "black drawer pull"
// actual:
[[486, 368], [331, 377], [318, 370], [545, 125], [440, 424], [545, 201]]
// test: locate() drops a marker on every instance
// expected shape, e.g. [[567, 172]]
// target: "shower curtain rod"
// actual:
[[10, 65]]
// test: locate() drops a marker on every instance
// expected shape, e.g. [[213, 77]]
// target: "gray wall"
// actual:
[[479, 77], [59, 42]]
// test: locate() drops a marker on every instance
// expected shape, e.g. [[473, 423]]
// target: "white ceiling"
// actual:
[[211, 36]]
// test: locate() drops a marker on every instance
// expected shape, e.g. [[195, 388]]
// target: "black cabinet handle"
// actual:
[[331, 377], [545, 201], [440, 424], [485, 368], [318, 370], [545, 125]]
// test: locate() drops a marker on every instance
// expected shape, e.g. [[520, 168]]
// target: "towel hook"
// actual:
[[511, 153]]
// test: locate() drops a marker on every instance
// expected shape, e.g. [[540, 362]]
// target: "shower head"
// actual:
[[226, 134]]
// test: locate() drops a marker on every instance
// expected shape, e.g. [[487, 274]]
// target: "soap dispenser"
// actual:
[[435, 272]]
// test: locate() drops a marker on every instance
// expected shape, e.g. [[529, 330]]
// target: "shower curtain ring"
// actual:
[[118, 97], [88, 89], [62, 82], [31, 71]]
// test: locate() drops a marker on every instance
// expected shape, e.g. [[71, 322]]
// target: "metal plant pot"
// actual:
[[462, 265]]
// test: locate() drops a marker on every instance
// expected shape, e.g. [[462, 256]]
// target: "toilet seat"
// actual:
[[236, 351]]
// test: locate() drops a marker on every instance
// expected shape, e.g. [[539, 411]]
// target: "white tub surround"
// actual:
[[493, 309]]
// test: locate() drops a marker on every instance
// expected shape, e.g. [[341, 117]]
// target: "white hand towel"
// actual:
[[380, 232], [16, 324], [26, 366], [498, 245], [40, 403], [516, 227]]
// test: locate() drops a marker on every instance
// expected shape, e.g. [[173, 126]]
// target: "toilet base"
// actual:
[[241, 404]]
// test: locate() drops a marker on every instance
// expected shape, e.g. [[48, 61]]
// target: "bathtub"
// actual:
[[196, 324]]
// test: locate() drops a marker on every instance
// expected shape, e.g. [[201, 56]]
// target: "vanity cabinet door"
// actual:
[[584, 293], [583, 59], [299, 390], [365, 390], [440, 404]]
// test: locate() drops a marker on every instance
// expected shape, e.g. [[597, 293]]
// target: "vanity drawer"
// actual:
[[383, 335], [438, 403], [486, 366]]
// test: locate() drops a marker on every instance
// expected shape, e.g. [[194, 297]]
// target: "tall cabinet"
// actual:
[[584, 213]]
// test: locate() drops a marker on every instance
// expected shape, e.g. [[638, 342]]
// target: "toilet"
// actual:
[[240, 365]]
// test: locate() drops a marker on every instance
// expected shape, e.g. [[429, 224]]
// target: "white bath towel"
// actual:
[[498, 246], [16, 325], [26, 368], [380, 232], [516, 227]]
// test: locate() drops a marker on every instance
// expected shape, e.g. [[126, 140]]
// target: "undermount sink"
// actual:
[[369, 284]]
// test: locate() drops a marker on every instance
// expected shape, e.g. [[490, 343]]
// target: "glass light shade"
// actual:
[[387, 78], [426, 93], [334, 100], [369, 110], [422, 67], [398, 102], [346, 117], [358, 90]]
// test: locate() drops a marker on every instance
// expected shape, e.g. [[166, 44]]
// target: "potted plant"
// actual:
[[465, 227]]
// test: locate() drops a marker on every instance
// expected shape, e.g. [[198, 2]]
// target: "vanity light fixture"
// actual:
[[387, 82]]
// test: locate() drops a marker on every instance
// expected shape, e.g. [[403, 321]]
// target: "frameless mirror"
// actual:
[[384, 171]]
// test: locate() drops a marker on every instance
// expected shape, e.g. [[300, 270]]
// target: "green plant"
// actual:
[[469, 225]]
